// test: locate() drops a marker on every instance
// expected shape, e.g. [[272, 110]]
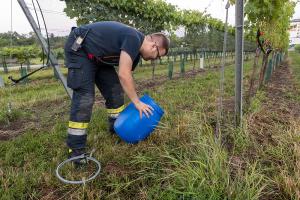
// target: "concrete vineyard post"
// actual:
[[181, 65]]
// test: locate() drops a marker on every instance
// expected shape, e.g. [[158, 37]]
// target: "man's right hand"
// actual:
[[144, 108], [126, 80]]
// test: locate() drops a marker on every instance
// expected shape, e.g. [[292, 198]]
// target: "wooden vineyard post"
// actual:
[[182, 71], [171, 65], [174, 57], [28, 64], [253, 74], [194, 65], [153, 67]]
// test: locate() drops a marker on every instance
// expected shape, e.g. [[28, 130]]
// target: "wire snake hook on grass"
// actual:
[[83, 181]]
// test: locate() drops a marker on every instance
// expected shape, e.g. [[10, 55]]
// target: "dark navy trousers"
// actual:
[[83, 75]]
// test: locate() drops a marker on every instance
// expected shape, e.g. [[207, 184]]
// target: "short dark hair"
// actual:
[[165, 41]]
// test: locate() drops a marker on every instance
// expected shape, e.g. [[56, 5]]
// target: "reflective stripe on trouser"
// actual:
[[76, 138], [112, 116], [80, 78], [78, 125], [115, 111], [77, 135]]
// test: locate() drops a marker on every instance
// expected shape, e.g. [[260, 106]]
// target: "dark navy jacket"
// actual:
[[108, 38]]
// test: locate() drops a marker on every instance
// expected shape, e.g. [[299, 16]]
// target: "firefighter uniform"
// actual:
[[92, 63]]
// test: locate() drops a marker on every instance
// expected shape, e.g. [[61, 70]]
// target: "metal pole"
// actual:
[[223, 69], [11, 27], [239, 49], [52, 58]]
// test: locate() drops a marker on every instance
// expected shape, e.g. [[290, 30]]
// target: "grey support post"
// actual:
[[52, 58], [239, 49]]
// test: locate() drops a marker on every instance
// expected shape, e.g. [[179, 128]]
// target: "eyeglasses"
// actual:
[[158, 54]]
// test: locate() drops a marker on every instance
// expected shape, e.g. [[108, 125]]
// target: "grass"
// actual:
[[183, 159], [295, 63], [42, 84]]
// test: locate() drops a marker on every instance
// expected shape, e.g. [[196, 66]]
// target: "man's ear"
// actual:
[[164, 52]]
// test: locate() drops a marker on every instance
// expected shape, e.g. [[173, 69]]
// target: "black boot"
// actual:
[[78, 152], [111, 121], [76, 146]]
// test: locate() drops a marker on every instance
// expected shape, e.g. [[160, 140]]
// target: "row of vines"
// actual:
[[266, 24]]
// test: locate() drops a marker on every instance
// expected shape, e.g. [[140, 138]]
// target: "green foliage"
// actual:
[[256, 103], [57, 42], [268, 14], [21, 53], [59, 53], [147, 15], [7, 117], [25, 46], [296, 72], [29, 40], [200, 30]]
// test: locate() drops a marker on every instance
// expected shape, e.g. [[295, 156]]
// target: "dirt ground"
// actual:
[[279, 106]]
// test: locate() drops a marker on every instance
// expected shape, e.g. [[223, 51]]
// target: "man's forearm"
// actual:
[[129, 87]]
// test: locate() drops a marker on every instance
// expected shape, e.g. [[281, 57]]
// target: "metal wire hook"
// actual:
[[83, 180]]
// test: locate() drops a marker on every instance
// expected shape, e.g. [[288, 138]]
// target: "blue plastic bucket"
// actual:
[[131, 128]]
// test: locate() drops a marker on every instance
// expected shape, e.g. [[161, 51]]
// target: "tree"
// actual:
[[146, 15]]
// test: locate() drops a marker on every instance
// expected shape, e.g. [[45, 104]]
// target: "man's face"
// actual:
[[152, 50]]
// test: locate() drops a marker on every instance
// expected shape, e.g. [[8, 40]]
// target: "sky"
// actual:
[[59, 24]]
